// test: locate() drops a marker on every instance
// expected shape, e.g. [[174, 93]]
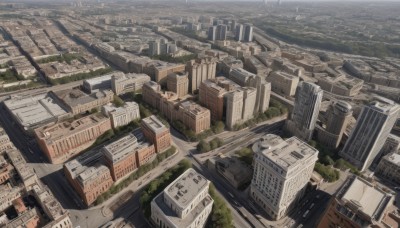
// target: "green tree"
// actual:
[[203, 146]]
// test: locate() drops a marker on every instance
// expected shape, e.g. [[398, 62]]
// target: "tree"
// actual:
[[203, 146], [218, 127], [118, 101]]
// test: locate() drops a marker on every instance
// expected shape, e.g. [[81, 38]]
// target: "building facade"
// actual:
[[200, 70], [132, 82], [283, 83], [183, 203], [370, 133], [121, 116], [61, 141], [156, 133], [178, 83], [212, 97], [389, 168], [282, 169]]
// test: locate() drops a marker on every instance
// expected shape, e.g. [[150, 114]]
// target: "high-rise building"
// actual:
[[358, 204], [248, 33], [156, 133], [221, 32], [183, 203], [154, 48], [200, 70], [212, 33], [233, 26], [212, 97], [234, 108], [178, 83], [339, 115], [370, 133], [239, 32], [282, 169], [305, 111]]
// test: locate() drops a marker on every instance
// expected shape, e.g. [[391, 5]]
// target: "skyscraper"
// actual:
[[154, 48], [305, 111], [233, 26], [370, 133], [248, 33], [212, 32], [221, 32], [282, 169], [239, 33]]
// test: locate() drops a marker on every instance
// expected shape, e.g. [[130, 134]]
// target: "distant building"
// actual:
[[305, 111], [159, 70], [88, 181], [200, 70], [128, 83], [339, 116], [221, 32], [248, 33], [178, 83], [121, 116], [239, 33], [184, 203], [389, 168], [357, 204], [61, 141], [282, 169], [5, 143], [154, 48], [76, 101], [156, 133], [212, 33], [283, 83], [100, 83], [370, 133]]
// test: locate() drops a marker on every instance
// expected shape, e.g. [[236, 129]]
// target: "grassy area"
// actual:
[[327, 172], [160, 183], [68, 57], [276, 109], [221, 216], [245, 155], [204, 146], [142, 170], [80, 76], [10, 76]]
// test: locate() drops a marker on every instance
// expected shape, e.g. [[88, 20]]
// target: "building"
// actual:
[[61, 141], [194, 116], [132, 82], [211, 96], [237, 172], [159, 70], [249, 103], [5, 143], [221, 32], [234, 108], [184, 203], [154, 48], [239, 32], [34, 111], [212, 33], [339, 115], [156, 133], [357, 204], [100, 83], [76, 101], [200, 70], [282, 169], [227, 64], [370, 133], [389, 168], [283, 83], [121, 116], [125, 155], [178, 83], [248, 33], [305, 111], [88, 181]]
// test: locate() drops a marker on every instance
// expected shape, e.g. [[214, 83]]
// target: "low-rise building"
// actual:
[[156, 133], [121, 116], [64, 140], [128, 82], [100, 83], [5, 142], [389, 168], [76, 101], [234, 170], [283, 83], [159, 70], [357, 204], [184, 203], [339, 84]]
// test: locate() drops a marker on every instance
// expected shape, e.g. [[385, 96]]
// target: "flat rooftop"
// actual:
[[154, 124], [384, 105], [286, 154], [121, 148], [76, 97], [32, 110], [186, 187]]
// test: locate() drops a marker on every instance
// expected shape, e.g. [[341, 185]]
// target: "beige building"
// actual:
[[234, 108], [159, 70], [183, 203], [78, 102], [121, 116], [178, 83], [61, 141], [132, 82], [200, 70], [283, 83], [389, 168], [194, 116], [5, 142], [212, 97], [282, 169]]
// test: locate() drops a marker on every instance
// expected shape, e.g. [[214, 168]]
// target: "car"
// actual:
[[306, 213], [311, 206]]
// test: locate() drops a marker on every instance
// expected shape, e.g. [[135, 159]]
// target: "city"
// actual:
[[190, 113]]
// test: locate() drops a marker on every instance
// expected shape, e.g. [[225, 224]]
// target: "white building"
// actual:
[[370, 133], [184, 203], [100, 83], [282, 169], [132, 82], [121, 116]]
